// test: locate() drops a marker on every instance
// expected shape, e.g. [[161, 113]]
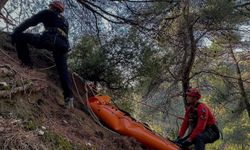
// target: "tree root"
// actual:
[[9, 93], [27, 89], [7, 70]]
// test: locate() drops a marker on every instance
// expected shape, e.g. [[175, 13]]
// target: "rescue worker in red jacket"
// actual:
[[200, 121], [54, 38]]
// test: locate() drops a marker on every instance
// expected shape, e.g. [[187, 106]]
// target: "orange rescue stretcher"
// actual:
[[121, 123]]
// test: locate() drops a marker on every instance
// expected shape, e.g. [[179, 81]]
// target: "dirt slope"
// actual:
[[31, 116]]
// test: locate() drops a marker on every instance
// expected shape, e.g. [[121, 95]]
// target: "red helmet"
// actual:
[[193, 92], [58, 5]]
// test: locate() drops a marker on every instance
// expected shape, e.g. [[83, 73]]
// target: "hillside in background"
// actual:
[[31, 116]]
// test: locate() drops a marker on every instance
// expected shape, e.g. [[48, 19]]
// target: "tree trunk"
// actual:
[[2, 3], [185, 81], [190, 50], [243, 93]]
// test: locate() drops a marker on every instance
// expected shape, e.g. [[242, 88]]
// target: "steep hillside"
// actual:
[[31, 116]]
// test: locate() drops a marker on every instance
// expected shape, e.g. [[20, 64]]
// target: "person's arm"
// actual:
[[32, 21], [202, 121], [184, 124]]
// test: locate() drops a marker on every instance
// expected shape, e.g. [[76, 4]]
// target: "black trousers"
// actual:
[[210, 135], [59, 56]]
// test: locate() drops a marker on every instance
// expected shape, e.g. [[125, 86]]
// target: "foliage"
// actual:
[[57, 141], [30, 125], [91, 61]]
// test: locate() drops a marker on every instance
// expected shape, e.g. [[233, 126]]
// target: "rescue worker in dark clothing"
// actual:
[[200, 121], [54, 39]]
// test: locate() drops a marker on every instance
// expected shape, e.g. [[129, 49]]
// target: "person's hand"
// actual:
[[177, 140], [185, 143]]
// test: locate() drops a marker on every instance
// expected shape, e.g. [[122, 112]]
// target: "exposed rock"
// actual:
[[6, 71], [40, 132], [43, 127]]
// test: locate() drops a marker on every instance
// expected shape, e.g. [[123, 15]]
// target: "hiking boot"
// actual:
[[69, 103]]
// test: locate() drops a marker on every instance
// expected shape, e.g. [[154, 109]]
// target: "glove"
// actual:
[[185, 143], [177, 140]]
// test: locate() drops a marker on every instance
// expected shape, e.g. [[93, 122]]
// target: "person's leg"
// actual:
[[213, 134], [200, 142], [210, 135], [62, 69], [22, 46], [23, 49]]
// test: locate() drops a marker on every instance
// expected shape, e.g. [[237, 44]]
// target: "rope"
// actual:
[[93, 91], [87, 102], [154, 107], [95, 118], [89, 107], [171, 114], [92, 114], [47, 68]]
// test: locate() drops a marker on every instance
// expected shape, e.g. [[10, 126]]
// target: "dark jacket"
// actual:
[[48, 17], [55, 35]]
